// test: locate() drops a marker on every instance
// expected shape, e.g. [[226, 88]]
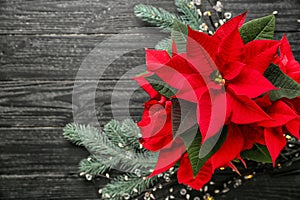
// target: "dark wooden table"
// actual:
[[42, 45]]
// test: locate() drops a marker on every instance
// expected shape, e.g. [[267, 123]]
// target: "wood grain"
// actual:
[[94, 16], [49, 103], [42, 46]]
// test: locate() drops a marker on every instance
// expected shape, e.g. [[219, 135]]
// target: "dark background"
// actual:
[[42, 44]]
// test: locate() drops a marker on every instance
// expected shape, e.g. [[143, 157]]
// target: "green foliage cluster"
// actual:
[[116, 147]]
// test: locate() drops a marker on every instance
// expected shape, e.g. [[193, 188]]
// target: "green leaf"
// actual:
[[213, 144], [193, 152], [196, 157], [179, 35], [257, 29], [258, 153], [160, 86], [288, 87], [183, 116]]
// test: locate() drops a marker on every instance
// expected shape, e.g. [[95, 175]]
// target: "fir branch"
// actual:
[[113, 131], [156, 16], [124, 134], [190, 13], [164, 44], [127, 185], [132, 134], [113, 156], [70, 133], [92, 166]]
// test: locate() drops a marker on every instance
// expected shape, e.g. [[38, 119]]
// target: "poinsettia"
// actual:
[[287, 62], [156, 123], [226, 61], [243, 103]]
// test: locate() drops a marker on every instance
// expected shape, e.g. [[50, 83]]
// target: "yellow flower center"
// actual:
[[217, 77], [220, 80]]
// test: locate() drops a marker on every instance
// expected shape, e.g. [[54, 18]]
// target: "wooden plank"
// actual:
[[93, 16], [38, 151], [70, 16], [49, 104], [60, 57], [46, 187], [286, 19]]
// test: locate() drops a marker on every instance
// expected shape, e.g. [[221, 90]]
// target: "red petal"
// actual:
[[285, 49], [156, 125], [191, 94], [252, 134], [275, 142], [231, 49], [209, 43], [295, 75], [244, 110], [224, 30], [264, 101], [169, 156], [256, 47], [231, 70], [280, 114], [200, 59], [175, 71], [262, 61], [251, 84], [156, 59], [294, 128], [288, 63], [146, 86], [211, 113], [230, 149], [185, 173]]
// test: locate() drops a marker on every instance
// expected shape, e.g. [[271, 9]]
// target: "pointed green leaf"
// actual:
[[258, 153], [287, 86], [160, 86], [196, 158], [179, 35], [257, 29], [212, 145], [193, 152], [183, 116]]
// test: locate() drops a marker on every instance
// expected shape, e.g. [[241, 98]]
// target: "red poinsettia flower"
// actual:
[[269, 132], [294, 126], [224, 78], [213, 62], [287, 62], [282, 117], [156, 122]]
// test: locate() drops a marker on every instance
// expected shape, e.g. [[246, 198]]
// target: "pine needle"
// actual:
[[156, 16]]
